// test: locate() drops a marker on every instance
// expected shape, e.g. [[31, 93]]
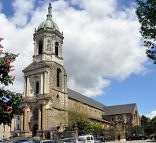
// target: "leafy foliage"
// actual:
[[149, 125], [146, 125], [96, 128], [153, 124], [11, 103], [79, 121], [83, 124], [137, 130], [146, 12], [5, 68]]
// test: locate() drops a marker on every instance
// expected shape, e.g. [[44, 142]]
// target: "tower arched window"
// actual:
[[58, 77], [37, 87], [57, 96], [40, 47], [56, 48]]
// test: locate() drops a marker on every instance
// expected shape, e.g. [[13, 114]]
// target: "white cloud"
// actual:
[[98, 9], [152, 114], [23, 9], [101, 43]]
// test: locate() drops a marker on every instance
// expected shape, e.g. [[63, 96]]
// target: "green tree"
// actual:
[[153, 124], [146, 125], [96, 128], [83, 124], [146, 13], [78, 120], [11, 103], [137, 130]]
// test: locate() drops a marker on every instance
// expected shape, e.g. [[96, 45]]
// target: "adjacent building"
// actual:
[[6, 131], [123, 116]]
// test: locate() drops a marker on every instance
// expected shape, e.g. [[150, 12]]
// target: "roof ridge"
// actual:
[[122, 105], [85, 99]]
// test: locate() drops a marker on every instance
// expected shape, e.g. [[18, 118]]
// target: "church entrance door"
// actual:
[[34, 130]]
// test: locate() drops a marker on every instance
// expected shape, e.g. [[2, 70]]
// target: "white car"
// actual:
[[87, 138]]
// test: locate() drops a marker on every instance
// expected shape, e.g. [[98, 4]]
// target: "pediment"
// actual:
[[36, 66]]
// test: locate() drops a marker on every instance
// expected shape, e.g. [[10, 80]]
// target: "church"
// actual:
[[47, 96]]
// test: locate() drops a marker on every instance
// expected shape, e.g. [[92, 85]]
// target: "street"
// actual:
[[136, 141]]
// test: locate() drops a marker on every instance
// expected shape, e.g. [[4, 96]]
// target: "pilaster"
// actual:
[[22, 123], [39, 119], [25, 120], [42, 82], [43, 117]]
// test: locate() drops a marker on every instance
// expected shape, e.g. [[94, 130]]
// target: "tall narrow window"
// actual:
[[40, 47], [18, 127], [57, 100], [58, 77], [37, 87], [35, 113], [56, 48]]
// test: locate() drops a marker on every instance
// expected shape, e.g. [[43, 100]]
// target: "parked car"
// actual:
[[97, 140], [68, 140], [35, 141], [153, 137], [81, 140], [87, 138], [3, 140], [21, 141], [104, 139], [137, 137]]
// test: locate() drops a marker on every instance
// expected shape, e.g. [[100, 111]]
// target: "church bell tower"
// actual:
[[48, 41], [45, 83]]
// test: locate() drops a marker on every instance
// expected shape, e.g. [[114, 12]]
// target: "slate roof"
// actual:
[[101, 120], [119, 109], [84, 99]]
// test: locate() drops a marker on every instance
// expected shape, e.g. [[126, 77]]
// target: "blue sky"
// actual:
[[136, 89], [115, 70]]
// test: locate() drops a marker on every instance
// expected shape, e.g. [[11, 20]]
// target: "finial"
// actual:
[[49, 8], [49, 15]]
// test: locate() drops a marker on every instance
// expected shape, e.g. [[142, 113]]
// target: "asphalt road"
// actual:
[[139, 141]]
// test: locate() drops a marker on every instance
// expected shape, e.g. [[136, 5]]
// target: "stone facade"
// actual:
[[46, 94], [45, 83], [80, 107]]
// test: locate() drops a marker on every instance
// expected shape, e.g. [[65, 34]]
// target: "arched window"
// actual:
[[57, 96], [56, 48], [37, 87], [58, 77], [40, 47], [57, 100]]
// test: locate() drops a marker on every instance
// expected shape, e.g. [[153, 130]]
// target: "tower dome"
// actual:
[[49, 23]]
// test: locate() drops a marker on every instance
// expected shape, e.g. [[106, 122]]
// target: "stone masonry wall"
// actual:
[[80, 107]]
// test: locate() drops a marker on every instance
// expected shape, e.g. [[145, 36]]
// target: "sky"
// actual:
[[103, 51]]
